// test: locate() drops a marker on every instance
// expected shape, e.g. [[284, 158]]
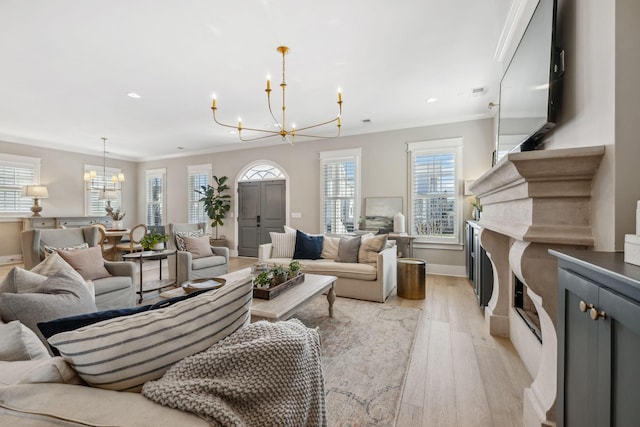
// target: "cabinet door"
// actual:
[[618, 360], [577, 351]]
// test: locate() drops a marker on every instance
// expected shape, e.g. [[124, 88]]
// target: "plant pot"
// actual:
[[158, 246], [218, 242], [280, 278], [117, 225]]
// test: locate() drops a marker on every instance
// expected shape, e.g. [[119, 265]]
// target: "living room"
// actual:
[[598, 110]]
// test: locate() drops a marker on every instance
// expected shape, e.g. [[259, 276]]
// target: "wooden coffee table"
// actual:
[[285, 304]]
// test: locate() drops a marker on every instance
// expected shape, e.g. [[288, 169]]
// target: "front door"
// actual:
[[261, 209]]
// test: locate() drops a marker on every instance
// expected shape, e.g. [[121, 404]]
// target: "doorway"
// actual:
[[261, 207]]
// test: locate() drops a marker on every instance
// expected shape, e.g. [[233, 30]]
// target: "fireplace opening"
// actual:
[[526, 309]]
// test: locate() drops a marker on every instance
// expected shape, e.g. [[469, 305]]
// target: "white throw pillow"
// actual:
[[330, 247], [283, 244], [49, 370], [17, 342], [125, 352], [370, 245]]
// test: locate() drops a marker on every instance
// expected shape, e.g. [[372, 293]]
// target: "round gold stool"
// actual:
[[411, 278]]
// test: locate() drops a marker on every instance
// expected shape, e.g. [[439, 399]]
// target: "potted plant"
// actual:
[[117, 217], [294, 268], [154, 241], [262, 280], [279, 275], [216, 204], [477, 208]]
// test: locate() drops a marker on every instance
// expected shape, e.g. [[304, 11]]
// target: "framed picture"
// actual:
[[379, 212]]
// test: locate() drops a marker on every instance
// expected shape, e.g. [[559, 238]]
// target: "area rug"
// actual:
[[366, 351]]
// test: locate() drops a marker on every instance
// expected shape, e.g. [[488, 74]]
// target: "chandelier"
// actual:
[[287, 134], [93, 183]]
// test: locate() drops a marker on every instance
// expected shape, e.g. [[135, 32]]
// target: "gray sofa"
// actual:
[[188, 268], [116, 291]]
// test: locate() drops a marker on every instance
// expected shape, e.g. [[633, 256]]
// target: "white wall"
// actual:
[[600, 106]]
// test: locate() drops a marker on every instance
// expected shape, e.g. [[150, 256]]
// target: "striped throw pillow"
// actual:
[[283, 244], [125, 352]]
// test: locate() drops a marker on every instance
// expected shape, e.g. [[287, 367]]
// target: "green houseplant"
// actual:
[[262, 280], [294, 268], [153, 239], [216, 203], [279, 274]]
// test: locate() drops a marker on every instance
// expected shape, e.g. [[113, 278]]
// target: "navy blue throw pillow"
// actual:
[[307, 247]]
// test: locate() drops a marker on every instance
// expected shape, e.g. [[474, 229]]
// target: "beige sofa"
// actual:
[[365, 281]]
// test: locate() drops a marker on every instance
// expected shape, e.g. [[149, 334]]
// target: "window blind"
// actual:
[[198, 177], [435, 195], [15, 172], [340, 180], [155, 196]]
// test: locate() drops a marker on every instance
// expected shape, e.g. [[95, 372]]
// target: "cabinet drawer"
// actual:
[[39, 223]]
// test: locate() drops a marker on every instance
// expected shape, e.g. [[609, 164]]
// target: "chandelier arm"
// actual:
[[318, 136], [257, 137], [317, 125], [281, 125]]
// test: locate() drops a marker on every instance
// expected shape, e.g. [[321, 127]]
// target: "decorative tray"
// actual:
[[203, 284], [274, 291]]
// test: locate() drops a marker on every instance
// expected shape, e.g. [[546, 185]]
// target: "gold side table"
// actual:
[[412, 274]]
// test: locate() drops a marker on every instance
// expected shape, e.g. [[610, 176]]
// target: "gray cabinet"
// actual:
[[479, 268], [598, 340]]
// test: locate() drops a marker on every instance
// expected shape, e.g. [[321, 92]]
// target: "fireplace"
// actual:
[[532, 202], [526, 309]]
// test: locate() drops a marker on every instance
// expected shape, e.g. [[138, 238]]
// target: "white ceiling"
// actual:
[[66, 68]]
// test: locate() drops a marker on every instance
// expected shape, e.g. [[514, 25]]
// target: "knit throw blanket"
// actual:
[[265, 374]]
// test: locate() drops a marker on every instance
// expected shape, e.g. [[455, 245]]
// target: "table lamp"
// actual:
[[37, 192]]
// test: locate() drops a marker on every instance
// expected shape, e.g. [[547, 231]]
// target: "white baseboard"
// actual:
[[10, 259], [447, 270]]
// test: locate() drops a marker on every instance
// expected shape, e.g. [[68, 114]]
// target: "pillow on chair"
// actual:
[[88, 262], [180, 235], [198, 246]]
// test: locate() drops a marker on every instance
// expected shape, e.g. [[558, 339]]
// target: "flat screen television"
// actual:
[[531, 86]]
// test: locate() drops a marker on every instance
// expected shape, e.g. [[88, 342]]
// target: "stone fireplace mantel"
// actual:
[[532, 202]]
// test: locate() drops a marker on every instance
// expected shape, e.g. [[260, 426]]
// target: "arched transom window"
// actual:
[[262, 171]]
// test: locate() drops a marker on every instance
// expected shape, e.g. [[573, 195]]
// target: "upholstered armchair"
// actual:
[[113, 292], [193, 264]]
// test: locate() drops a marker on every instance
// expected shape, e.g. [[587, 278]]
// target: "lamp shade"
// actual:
[[107, 195], [35, 191]]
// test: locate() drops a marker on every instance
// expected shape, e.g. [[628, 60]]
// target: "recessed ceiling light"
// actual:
[[366, 121], [180, 148], [430, 100], [133, 95]]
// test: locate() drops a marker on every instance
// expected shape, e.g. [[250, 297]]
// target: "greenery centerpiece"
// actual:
[[216, 203], [154, 240], [279, 275]]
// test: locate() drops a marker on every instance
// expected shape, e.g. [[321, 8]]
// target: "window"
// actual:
[[340, 190], [262, 171], [94, 206], [199, 175], [16, 171], [155, 196], [435, 196]]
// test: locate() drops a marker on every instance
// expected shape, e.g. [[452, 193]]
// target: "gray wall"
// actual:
[[62, 173], [384, 173]]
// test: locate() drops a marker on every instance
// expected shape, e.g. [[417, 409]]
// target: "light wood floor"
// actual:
[[459, 375]]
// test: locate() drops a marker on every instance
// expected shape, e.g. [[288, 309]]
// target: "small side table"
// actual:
[[153, 285], [411, 278], [404, 243]]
